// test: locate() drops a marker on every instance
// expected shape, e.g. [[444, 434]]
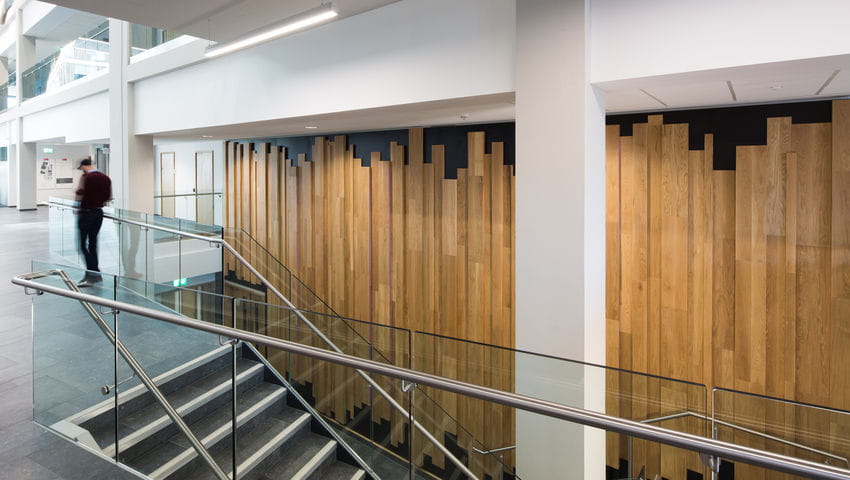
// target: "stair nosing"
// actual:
[[162, 421], [217, 435], [257, 457], [316, 461], [133, 393]]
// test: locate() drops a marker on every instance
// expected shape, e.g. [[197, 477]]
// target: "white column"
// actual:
[[130, 156], [560, 244], [25, 162]]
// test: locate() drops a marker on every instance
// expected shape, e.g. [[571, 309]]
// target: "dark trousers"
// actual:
[[88, 223]]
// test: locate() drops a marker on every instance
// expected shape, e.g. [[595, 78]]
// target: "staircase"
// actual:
[[277, 437]]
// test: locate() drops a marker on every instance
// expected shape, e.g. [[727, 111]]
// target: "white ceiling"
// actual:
[[773, 82], [219, 20]]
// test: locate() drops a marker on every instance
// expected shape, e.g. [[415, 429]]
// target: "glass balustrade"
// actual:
[[204, 208], [85, 389], [78, 58], [795, 429], [103, 394], [672, 404], [129, 248], [143, 38]]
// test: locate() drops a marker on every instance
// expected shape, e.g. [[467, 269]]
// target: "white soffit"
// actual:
[[808, 79], [218, 20], [473, 110]]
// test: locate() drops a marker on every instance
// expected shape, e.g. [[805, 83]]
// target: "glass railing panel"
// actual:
[[268, 265], [350, 402], [143, 38], [194, 372], [799, 430], [203, 208], [669, 403], [72, 360], [76, 59]]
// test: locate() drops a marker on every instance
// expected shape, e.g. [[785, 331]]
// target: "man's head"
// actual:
[[86, 165]]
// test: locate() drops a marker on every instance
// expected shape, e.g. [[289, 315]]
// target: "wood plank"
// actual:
[[674, 251], [653, 344], [813, 145], [723, 279], [612, 240], [778, 378], [473, 317], [708, 262], [413, 232], [273, 194], [750, 270], [292, 215], [840, 314]]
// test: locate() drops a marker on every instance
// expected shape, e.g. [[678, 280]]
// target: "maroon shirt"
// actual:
[[95, 190]]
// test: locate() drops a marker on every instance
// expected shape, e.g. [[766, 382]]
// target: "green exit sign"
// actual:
[[47, 150], [180, 282]]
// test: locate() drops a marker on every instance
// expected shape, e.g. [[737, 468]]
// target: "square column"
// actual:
[[560, 239], [22, 171]]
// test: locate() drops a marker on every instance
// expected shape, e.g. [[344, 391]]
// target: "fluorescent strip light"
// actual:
[[277, 30]]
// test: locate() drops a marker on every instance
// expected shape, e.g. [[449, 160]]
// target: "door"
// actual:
[[204, 182], [166, 178]]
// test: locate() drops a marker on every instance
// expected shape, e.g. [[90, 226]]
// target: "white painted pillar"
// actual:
[[24, 169], [560, 244], [130, 156]]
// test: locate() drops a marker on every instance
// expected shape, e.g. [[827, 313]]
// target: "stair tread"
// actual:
[[131, 423], [221, 416], [252, 441], [336, 470], [178, 443], [295, 458]]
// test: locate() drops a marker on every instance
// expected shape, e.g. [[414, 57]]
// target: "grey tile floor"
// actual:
[[28, 452]]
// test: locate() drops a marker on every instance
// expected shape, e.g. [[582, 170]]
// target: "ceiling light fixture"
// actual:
[[292, 24], [311, 127]]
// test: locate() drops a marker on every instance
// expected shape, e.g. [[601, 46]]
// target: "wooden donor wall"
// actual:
[[394, 242], [737, 279]]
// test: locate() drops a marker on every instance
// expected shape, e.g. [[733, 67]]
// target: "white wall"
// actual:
[[184, 161], [409, 51], [85, 120], [633, 39], [68, 155]]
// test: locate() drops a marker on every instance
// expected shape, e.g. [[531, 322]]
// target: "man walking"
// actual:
[[94, 191]]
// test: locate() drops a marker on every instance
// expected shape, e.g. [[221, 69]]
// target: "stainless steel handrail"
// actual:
[[140, 372], [495, 450], [752, 456], [220, 241], [748, 430]]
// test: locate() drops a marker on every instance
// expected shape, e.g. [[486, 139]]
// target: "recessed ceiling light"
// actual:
[[206, 136], [311, 127], [776, 87]]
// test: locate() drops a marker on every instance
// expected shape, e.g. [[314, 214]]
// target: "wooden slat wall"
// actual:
[[396, 244], [737, 279]]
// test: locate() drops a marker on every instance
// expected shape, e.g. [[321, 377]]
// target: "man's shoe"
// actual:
[[89, 281]]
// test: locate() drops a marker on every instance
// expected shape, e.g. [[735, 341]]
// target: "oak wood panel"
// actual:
[[398, 244], [812, 143], [840, 285], [765, 255]]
